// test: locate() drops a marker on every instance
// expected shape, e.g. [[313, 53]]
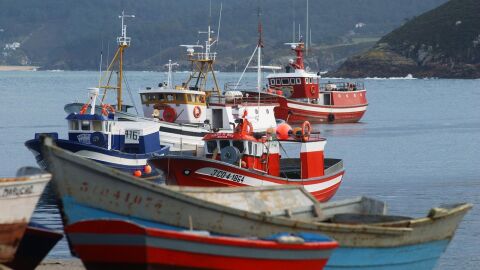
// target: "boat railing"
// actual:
[[205, 56], [342, 86], [243, 87], [241, 99], [125, 41]]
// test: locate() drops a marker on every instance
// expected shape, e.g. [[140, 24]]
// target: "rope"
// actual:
[[130, 92]]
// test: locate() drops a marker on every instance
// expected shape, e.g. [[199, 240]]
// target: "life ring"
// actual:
[[169, 114], [107, 109], [197, 112], [306, 130], [202, 99], [312, 90], [84, 109]]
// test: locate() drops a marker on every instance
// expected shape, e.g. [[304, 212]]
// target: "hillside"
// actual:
[[70, 34], [444, 42]]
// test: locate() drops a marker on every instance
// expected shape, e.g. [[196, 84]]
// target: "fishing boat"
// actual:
[[302, 97], [185, 113], [368, 237], [135, 246], [124, 145], [36, 243], [18, 198], [245, 158]]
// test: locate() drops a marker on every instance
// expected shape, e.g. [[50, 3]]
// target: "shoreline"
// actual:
[[18, 68]]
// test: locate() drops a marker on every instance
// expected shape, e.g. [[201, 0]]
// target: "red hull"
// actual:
[[111, 244], [10, 236], [347, 110], [210, 173]]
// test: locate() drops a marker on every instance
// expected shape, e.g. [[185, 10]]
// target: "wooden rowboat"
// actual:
[[367, 236], [18, 198], [132, 246]]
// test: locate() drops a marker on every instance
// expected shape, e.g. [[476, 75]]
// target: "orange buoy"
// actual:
[[297, 132], [283, 131], [147, 169], [137, 173]]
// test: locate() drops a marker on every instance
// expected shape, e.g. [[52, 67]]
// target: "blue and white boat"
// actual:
[[124, 145]]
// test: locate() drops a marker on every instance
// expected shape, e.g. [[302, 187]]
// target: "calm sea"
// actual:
[[418, 145]]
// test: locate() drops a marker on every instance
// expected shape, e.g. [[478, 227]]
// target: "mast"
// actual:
[[306, 32], [259, 52], [170, 66], [123, 42], [202, 63]]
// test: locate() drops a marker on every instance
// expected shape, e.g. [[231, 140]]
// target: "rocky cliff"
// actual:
[[444, 43]]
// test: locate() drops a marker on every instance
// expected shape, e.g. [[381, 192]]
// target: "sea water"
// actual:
[[418, 145]]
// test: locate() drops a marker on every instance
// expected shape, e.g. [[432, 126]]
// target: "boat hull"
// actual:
[[18, 198], [296, 112], [123, 161], [98, 190], [34, 247], [132, 246], [177, 136], [422, 256], [192, 171]]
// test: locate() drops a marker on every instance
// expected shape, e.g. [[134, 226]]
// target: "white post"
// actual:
[[93, 93]]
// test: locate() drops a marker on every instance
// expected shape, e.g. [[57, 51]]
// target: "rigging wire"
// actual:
[[130, 92], [243, 73]]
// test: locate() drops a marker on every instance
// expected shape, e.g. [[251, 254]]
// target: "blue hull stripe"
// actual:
[[412, 257]]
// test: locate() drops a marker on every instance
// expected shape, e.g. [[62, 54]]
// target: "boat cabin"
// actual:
[[174, 105], [261, 152], [105, 132]]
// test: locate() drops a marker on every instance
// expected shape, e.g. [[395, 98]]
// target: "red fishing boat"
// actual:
[[245, 158], [116, 244], [303, 98]]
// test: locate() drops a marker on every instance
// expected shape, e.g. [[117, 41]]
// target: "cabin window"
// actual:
[[144, 98], [190, 98], [256, 150], [285, 81], [272, 81], [298, 81], [85, 125], [170, 97], [292, 81], [161, 97], [278, 82], [250, 148], [152, 97], [105, 126], [224, 143], [239, 145], [211, 146], [74, 125], [180, 98], [97, 125]]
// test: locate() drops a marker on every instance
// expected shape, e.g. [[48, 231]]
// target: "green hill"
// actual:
[[444, 42], [70, 34]]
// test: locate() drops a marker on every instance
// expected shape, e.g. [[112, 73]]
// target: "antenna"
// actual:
[[170, 65], [124, 40], [219, 23], [306, 32]]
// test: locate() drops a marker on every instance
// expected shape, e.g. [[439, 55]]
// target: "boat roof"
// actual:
[[97, 117], [159, 90], [296, 74]]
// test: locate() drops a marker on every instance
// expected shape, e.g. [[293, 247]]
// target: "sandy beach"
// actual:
[[57, 264], [18, 68]]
